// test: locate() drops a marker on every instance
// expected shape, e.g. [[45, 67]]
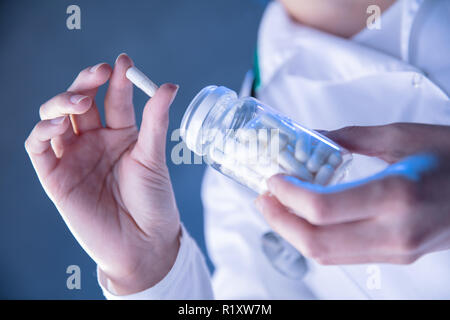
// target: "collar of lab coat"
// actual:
[[280, 39], [395, 47]]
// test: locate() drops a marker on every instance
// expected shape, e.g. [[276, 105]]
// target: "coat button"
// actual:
[[283, 256]]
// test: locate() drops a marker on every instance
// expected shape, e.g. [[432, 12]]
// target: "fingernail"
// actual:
[[272, 181], [77, 98], [122, 54], [175, 92], [171, 86], [58, 120], [94, 68]]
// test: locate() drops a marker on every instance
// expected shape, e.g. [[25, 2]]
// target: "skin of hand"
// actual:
[[111, 184], [343, 18], [395, 216]]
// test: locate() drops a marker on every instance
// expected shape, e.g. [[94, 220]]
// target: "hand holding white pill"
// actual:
[[111, 184], [395, 216]]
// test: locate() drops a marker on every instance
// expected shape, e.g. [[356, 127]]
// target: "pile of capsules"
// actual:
[[268, 145]]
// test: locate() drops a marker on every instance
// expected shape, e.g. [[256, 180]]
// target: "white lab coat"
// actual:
[[398, 73]]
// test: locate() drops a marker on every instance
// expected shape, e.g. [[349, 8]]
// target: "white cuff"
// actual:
[[189, 277]]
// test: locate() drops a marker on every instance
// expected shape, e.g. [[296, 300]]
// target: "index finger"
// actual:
[[394, 141], [341, 203]]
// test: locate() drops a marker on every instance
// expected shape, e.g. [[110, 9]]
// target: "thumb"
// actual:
[[150, 147], [394, 141]]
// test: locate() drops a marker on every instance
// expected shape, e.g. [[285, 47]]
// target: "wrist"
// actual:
[[146, 273]]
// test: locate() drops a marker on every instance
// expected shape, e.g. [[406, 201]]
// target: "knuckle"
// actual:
[[350, 130], [320, 209], [82, 73], [27, 144], [324, 261], [395, 137], [311, 246], [411, 258], [271, 215], [408, 198], [32, 137], [407, 259], [395, 133], [310, 250], [343, 134], [42, 109], [405, 194], [275, 218], [408, 243]]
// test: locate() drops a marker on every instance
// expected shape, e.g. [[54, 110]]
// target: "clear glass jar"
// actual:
[[250, 142]]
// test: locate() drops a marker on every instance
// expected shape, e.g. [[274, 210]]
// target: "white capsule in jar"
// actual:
[[292, 165], [271, 121], [303, 147], [335, 159], [268, 170], [324, 174], [276, 144], [319, 156]]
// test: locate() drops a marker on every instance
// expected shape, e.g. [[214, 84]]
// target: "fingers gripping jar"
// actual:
[[250, 142]]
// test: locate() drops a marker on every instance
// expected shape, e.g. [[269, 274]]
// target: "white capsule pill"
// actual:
[[267, 150], [249, 174], [335, 159], [250, 151], [141, 81], [245, 153], [248, 177], [324, 174], [228, 160], [303, 147], [318, 157], [278, 139], [267, 170], [263, 136], [246, 134], [293, 166], [274, 122], [264, 157]]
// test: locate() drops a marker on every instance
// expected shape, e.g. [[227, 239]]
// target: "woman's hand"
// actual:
[[111, 184], [395, 216]]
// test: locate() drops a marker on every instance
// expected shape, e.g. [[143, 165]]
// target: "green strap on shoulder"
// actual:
[[256, 73]]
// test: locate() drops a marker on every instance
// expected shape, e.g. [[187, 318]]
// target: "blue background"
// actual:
[[193, 43]]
